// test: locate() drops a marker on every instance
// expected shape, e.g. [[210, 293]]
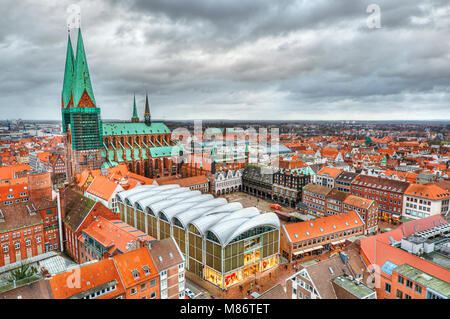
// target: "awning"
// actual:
[[298, 252], [337, 242]]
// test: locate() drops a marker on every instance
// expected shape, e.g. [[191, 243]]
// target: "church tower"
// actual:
[[147, 116], [82, 125], [135, 117]]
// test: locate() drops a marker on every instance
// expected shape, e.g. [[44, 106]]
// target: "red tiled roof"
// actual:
[[323, 226], [102, 187], [331, 171], [377, 249], [135, 260], [87, 277], [427, 191], [114, 234]]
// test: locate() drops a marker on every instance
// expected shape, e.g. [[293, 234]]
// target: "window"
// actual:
[[17, 245], [28, 242], [399, 294], [152, 283], [407, 296], [387, 288], [409, 283], [133, 291], [418, 289], [401, 280], [143, 287], [38, 239], [5, 248], [153, 295]]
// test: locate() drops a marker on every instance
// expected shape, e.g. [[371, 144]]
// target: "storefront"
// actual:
[[249, 271]]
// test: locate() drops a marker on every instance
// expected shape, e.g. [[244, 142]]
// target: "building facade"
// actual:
[[222, 242], [288, 187], [387, 193]]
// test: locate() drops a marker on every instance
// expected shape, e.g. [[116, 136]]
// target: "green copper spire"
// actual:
[[147, 116], [135, 117], [246, 146], [68, 74], [82, 81]]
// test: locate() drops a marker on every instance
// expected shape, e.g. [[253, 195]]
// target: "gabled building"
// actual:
[[138, 273], [366, 208], [95, 280], [78, 212], [104, 190], [106, 238], [225, 182], [328, 279], [170, 264]]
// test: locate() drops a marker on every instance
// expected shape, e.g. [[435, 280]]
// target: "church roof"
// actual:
[[115, 129]]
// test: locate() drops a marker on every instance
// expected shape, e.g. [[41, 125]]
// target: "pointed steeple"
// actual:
[[82, 81], [68, 74], [147, 116], [135, 118]]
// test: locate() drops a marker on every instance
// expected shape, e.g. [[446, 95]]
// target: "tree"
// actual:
[[22, 272]]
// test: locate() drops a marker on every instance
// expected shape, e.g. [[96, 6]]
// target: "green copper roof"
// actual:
[[111, 129], [82, 81], [68, 74], [164, 151], [135, 116]]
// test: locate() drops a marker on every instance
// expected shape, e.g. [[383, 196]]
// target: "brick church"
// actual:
[[145, 147]]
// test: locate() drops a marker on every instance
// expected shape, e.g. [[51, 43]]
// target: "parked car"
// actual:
[[188, 292]]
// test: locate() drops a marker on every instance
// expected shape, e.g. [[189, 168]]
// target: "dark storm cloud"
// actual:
[[233, 59]]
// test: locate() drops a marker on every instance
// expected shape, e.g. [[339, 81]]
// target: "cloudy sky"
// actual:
[[233, 59]]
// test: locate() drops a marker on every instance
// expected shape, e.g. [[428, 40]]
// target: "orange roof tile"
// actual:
[[135, 260], [427, 191], [102, 187], [323, 226], [331, 171], [114, 234], [90, 276]]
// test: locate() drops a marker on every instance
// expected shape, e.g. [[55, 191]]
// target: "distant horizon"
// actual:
[[237, 120]]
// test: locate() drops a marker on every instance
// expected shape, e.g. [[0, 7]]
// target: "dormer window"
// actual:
[[135, 273], [146, 269]]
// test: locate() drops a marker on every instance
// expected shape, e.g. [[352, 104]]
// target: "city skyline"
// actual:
[[237, 60]]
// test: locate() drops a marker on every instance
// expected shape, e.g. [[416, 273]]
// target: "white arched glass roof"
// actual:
[[225, 220], [267, 219], [212, 202], [186, 217], [230, 207], [135, 190]]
